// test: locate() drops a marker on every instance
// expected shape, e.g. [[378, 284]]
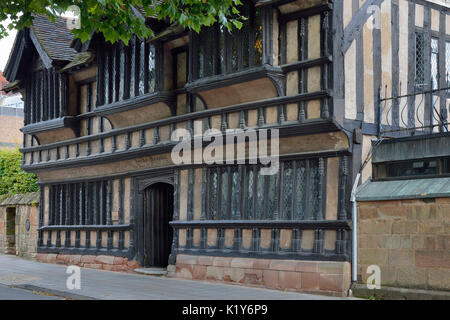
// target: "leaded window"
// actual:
[[87, 203], [447, 63], [434, 63], [420, 60], [46, 96], [243, 192], [126, 71], [218, 51]]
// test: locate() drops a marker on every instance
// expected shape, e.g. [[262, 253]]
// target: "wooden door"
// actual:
[[158, 211]]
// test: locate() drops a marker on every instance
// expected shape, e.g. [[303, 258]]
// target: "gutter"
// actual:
[[354, 230]]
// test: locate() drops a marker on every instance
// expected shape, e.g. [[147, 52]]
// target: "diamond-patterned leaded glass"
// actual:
[[420, 62], [214, 185], [271, 201], [447, 63], [296, 195], [225, 201], [250, 181], [314, 189], [434, 63], [260, 196], [287, 192], [299, 213], [151, 69], [235, 193]]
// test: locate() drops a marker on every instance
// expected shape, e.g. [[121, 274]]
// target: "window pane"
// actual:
[[287, 193], [235, 193], [420, 44], [225, 201], [151, 69], [314, 189], [213, 190], [447, 63], [434, 63], [271, 203], [258, 38], [251, 185], [260, 196], [301, 191], [413, 168]]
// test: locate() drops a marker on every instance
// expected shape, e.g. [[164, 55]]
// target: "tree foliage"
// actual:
[[117, 19], [12, 178]]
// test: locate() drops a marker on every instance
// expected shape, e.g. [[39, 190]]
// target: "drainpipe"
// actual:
[[355, 230]]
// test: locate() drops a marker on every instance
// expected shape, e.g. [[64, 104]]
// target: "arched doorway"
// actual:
[[158, 234]]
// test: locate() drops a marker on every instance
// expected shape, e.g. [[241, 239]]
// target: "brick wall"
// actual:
[[10, 133], [408, 239]]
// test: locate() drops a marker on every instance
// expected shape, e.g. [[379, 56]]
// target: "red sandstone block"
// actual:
[[120, 268], [331, 282], [310, 281], [109, 267], [433, 259], [283, 265], [51, 258], [261, 263], [253, 276], [104, 259], [41, 257], [204, 260], [306, 266], [271, 278], [115, 267], [221, 262], [198, 272], [119, 260], [133, 264], [93, 265], [88, 259], [241, 263], [186, 259], [290, 280], [75, 259]]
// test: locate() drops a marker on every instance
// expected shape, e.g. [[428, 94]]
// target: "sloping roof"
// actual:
[[31, 198], [54, 38], [404, 189], [80, 59]]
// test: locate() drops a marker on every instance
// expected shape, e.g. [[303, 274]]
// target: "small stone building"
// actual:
[[404, 214], [19, 219]]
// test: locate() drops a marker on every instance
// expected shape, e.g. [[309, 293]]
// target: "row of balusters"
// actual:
[[255, 245]]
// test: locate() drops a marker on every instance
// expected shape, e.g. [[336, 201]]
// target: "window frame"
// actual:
[[213, 52]]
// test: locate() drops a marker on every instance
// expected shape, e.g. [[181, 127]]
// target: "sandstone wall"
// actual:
[[408, 239]]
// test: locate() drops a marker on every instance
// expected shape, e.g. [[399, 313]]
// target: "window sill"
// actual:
[[129, 112], [54, 130]]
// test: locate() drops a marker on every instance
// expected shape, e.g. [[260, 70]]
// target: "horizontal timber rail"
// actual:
[[299, 224], [269, 239], [90, 227], [190, 116]]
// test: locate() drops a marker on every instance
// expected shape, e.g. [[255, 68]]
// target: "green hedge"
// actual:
[[12, 178]]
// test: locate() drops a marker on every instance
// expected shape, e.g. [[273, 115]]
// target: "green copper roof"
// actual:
[[404, 189]]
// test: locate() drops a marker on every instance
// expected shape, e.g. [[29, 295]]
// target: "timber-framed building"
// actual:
[[99, 119]]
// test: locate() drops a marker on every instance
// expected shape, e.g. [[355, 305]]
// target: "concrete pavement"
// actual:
[[7, 293], [100, 284]]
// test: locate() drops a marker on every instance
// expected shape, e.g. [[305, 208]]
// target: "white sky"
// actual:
[[5, 46]]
